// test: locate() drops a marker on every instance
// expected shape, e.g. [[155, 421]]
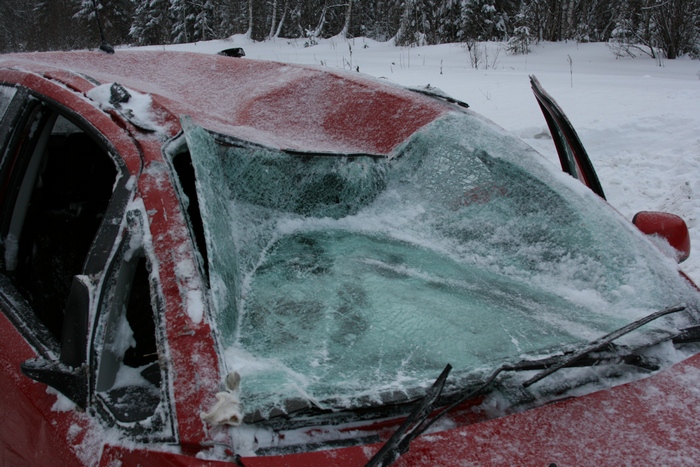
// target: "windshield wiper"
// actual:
[[399, 441], [397, 445], [600, 343], [438, 94], [419, 419]]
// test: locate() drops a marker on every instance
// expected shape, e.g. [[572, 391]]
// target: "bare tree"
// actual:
[[676, 25], [348, 16], [669, 25]]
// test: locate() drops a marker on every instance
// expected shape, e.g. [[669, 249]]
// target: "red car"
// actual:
[[209, 259]]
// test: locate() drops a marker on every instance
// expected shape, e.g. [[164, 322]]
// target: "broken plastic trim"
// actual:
[[236, 52], [120, 95]]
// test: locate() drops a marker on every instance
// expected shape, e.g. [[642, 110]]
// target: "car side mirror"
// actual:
[[72, 382], [670, 227]]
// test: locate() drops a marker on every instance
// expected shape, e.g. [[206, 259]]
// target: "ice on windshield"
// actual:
[[346, 282]]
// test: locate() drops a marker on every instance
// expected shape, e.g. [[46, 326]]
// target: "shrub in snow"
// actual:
[[519, 43]]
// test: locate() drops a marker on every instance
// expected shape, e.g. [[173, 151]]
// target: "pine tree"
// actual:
[[182, 17], [13, 38], [478, 20], [152, 23], [204, 21]]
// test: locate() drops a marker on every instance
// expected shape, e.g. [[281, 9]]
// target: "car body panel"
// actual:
[[33, 433], [627, 423], [192, 350], [258, 101], [653, 421]]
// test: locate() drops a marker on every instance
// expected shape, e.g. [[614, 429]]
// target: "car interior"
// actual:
[[64, 196]]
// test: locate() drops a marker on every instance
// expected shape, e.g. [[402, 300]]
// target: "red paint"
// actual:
[[31, 433], [196, 373], [649, 422], [73, 81], [668, 226], [117, 455], [258, 101]]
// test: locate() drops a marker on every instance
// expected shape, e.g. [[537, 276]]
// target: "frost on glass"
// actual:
[[344, 282]]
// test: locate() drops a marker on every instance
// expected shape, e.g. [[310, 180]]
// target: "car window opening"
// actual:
[[68, 187], [139, 314], [129, 373], [7, 95], [182, 163]]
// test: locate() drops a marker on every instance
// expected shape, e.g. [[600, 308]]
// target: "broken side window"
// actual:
[[129, 372]]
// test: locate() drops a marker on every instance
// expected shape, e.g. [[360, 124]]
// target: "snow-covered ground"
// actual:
[[638, 118]]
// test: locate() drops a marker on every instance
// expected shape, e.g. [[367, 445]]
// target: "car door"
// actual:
[[76, 296], [572, 155], [575, 161]]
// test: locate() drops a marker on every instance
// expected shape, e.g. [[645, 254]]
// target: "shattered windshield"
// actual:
[[341, 282]]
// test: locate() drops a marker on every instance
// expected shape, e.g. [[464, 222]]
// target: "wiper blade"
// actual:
[[437, 94], [609, 355], [399, 441], [600, 343], [398, 444], [687, 336]]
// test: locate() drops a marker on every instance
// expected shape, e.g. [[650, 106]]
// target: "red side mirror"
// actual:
[[667, 226]]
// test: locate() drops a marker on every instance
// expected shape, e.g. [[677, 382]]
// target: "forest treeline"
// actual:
[[668, 27]]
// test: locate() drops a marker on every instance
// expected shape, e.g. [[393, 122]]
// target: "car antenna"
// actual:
[[104, 46]]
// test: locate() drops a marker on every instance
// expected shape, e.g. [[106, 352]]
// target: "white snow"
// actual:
[[638, 118], [62, 404], [137, 108], [130, 377], [194, 299]]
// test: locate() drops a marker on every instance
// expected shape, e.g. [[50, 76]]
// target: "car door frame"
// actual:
[[572, 155], [191, 347]]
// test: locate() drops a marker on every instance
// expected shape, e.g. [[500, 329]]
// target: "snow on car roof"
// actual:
[[285, 106]]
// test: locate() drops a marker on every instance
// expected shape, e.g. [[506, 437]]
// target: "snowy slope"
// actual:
[[639, 119]]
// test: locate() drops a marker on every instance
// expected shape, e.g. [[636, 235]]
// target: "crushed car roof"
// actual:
[[285, 106]]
